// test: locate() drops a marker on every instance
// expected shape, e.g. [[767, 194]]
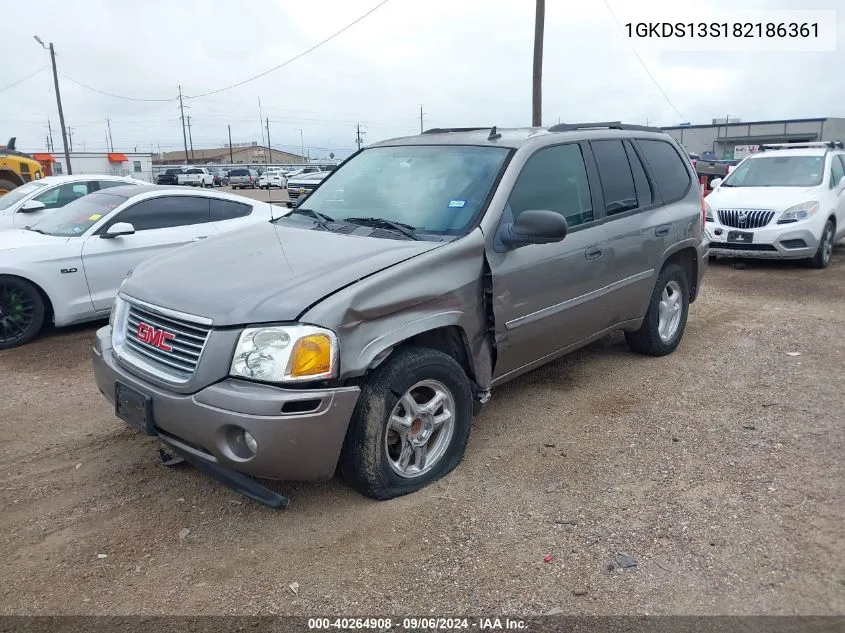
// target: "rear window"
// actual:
[[195, 171], [667, 168], [173, 172], [239, 172]]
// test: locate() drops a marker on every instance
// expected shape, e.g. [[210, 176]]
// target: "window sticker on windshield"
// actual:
[[457, 204], [94, 217], [76, 229]]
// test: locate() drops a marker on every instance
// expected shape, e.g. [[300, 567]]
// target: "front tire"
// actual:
[[666, 318], [822, 257], [21, 312], [410, 426]]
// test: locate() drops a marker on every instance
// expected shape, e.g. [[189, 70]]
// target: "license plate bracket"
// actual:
[[134, 408], [740, 237]]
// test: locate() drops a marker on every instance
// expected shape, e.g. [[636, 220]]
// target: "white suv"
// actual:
[[784, 202]]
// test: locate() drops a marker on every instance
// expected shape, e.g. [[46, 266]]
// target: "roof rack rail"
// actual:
[[827, 144], [444, 130], [612, 125]]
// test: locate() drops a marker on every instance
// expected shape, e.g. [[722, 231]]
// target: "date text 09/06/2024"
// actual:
[[418, 624]]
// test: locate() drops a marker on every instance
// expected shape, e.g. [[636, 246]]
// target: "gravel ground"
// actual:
[[718, 469]]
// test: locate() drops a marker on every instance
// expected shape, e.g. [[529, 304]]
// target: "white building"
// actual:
[[135, 164]]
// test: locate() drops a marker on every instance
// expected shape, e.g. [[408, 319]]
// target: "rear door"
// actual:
[[544, 294], [161, 224], [639, 228]]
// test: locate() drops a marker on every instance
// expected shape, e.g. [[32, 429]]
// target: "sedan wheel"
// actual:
[[21, 312]]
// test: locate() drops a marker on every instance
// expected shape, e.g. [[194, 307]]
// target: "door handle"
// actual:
[[594, 252], [201, 237], [662, 231]]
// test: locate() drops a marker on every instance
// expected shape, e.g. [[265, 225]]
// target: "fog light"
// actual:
[[250, 442]]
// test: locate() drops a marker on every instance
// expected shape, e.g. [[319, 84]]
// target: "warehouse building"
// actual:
[[722, 139], [238, 154], [135, 164]]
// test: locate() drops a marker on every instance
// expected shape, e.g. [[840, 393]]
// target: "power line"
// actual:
[[642, 63], [13, 84], [293, 59], [111, 94]]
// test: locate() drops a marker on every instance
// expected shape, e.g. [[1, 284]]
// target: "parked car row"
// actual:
[[193, 176]]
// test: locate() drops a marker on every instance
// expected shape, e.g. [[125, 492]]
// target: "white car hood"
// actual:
[[776, 198], [13, 239]]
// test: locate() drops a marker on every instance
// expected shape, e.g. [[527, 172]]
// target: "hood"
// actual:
[[12, 239], [263, 273], [776, 198]]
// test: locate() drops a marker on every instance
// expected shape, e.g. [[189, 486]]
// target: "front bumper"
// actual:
[[291, 446], [770, 242]]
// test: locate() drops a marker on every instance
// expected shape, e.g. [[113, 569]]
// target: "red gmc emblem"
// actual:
[[157, 338]]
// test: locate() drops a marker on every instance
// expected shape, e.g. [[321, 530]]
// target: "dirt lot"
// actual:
[[719, 469]]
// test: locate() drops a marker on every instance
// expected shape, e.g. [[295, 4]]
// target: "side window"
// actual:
[[165, 212], [228, 210], [617, 180], [667, 167], [554, 179], [836, 170], [136, 165], [106, 184], [645, 195], [63, 194]]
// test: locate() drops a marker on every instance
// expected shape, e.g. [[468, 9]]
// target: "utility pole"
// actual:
[[182, 114], [50, 131], [537, 89], [190, 137], [58, 102], [421, 120], [231, 157], [70, 140], [358, 133], [111, 142], [301, 145]]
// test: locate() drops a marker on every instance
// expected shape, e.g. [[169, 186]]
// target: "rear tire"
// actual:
[[371, 460], [6, 185], [22, 312], [822, 257], [666, 318]]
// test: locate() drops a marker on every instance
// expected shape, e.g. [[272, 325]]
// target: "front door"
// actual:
[[160, 224], [544, 295]]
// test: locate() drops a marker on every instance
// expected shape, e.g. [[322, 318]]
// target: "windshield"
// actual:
[[435, 189], [16, 195], [76, 217], [778, 171]]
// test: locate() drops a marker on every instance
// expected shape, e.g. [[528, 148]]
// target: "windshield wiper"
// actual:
[[29, 228], [400, 227], [314, 214], [726, 184]]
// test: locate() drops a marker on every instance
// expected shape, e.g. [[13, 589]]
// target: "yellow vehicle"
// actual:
[[16, 168]]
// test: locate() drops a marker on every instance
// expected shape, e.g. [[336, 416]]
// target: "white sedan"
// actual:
[[29, 203], [67, 267]]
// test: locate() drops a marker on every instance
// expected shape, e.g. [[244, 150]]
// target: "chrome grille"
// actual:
[[745, 218], [187, 343]]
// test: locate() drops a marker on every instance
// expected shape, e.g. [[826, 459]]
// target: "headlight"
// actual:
[[285, 353], [799, 212], [708, 213]]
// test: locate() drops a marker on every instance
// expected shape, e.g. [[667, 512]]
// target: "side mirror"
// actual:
[[534, 227], [715, 183], [117, 229], [32, 206]]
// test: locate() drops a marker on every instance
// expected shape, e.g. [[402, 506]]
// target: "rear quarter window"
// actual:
[[667, 167], [228, 210]]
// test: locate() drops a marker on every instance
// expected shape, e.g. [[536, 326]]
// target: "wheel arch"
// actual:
[[48, 303], [7, 174], [685, 256]]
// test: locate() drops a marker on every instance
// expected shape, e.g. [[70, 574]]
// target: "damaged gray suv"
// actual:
[[365, 328]]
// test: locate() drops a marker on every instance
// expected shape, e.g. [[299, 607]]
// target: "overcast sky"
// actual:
[[468, 62]]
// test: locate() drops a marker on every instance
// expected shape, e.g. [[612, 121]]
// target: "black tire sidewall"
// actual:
[[648, 338], [818, 259], [38, 316], [364, 460]]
